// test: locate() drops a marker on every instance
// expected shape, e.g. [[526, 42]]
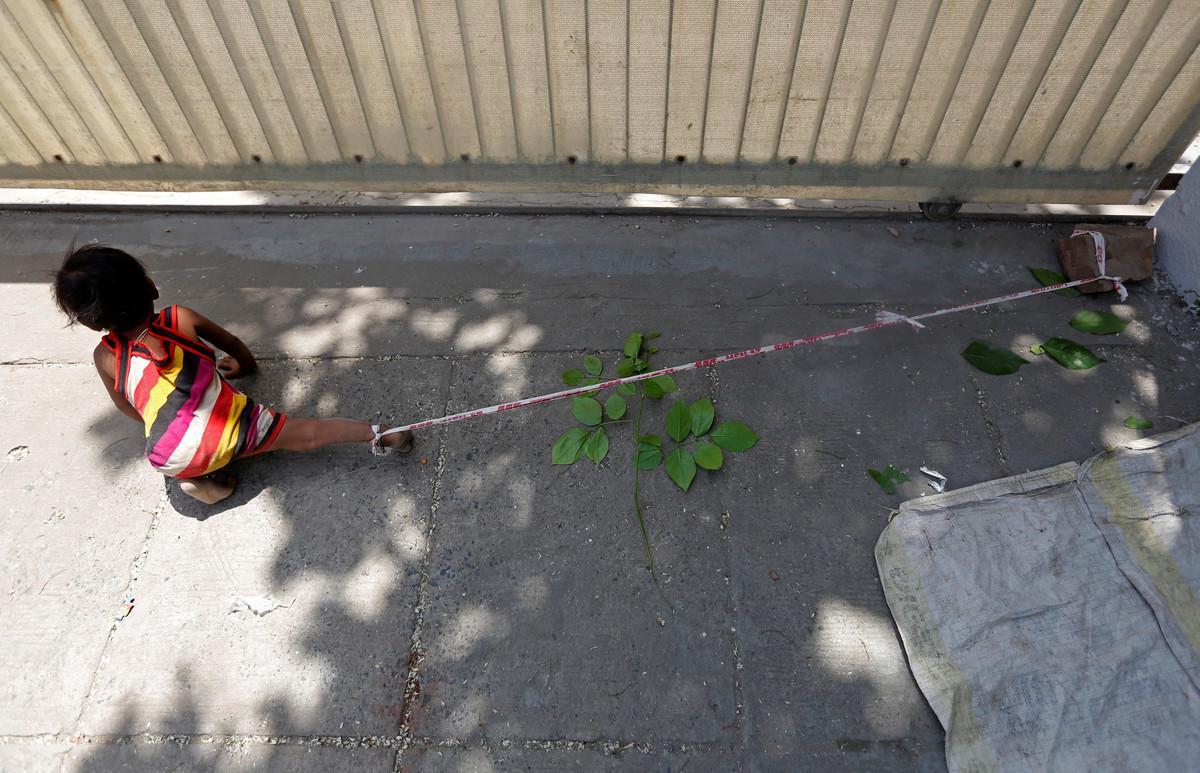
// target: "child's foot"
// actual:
[[210, 489], [400, 441]]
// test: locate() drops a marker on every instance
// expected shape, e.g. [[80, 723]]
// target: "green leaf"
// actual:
[[614, 407], [653, 440], [679, 421], [682, 468], [625, 367], [888, 479], [640, 366], [709, 456], [703, 413], [568, 447], [658, 386], [572, 377], [652, 336], [649, 455], [1133, 422], [629, 390], [596, 446], [1070, 354], [633, 345], [1037, 349], [1099, 323], [593, 365], [734, 436], [587, 410], [884, 482], [1048, 277], [990, 359]]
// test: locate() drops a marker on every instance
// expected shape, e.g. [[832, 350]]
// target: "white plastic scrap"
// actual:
[[258, 605], [939, 481]]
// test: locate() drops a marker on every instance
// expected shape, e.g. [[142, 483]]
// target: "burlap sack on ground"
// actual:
[[1052, 619], [1129, 250]]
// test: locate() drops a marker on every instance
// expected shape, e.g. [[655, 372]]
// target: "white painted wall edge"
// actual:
[[553, 203], [1177, 251], [1188, 159]]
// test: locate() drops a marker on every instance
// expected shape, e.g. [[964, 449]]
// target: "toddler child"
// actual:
[[160, 370]]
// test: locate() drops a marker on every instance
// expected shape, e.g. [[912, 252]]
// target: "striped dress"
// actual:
[[196, 422]]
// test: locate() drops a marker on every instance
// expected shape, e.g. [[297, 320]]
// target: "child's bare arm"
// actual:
[[242, 364], [105, 366]]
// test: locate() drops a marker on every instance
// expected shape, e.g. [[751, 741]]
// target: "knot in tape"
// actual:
[[1101, 260], [891, 316]]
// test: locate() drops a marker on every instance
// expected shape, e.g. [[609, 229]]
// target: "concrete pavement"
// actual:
[[469, 607]]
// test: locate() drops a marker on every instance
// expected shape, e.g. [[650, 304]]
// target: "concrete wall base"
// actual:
[[1178, 224]]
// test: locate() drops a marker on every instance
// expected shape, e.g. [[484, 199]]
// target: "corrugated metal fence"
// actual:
[[1018, 100]]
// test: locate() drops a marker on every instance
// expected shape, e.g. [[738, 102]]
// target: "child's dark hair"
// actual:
[[104, 288]]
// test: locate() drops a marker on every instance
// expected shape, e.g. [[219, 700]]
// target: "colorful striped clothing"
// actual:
[[196, 422]]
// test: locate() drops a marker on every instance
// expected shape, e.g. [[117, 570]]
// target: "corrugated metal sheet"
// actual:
[[1010, 100]]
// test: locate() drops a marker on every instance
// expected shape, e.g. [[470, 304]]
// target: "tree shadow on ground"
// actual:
[[536, 621]]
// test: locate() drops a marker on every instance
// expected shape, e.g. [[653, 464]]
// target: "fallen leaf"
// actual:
[[993, 360], [888, 479], [1070, 354], [1099, 323], [894, 232], [1048, 277], [774, 575]]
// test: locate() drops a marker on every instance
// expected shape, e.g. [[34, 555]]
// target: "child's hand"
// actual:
[[231, 368], [239, 362]]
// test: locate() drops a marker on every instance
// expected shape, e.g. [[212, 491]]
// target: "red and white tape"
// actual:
[[883, 319], [1102, 260]]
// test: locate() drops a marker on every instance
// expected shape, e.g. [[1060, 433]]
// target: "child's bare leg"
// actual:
[[311, 434], [210, 489]]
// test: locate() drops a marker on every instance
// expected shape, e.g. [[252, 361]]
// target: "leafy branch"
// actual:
[[694, 440]]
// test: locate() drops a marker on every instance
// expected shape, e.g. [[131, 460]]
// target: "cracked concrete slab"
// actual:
[[509, 641], [1046, 413], [77, 501], [339, 284], [23, 757], [823, 667], [542, 621], [287, 609], [434, 759], [235, 757]]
